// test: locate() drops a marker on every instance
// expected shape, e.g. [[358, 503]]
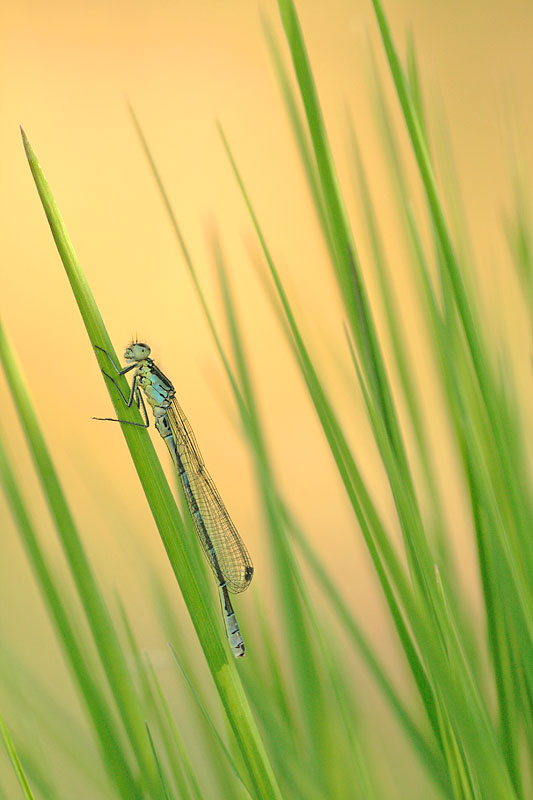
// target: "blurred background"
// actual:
[[68, 72]]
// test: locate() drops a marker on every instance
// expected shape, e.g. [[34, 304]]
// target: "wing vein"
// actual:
[[231, 554]]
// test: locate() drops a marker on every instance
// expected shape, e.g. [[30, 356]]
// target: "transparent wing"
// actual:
[[232, 556]]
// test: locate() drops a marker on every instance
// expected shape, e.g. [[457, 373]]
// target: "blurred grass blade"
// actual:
[[440, 541], [300, 134], [291, 590], [428, 618], [176, 754], [495, 472], [17, 766], [469, 711], [160, 772], [183, 247], [359, 314], [401, 354], [59, 728], [502, 466], [430, 438], [347, 265], [109, 740], [418, 141], [390, 571], [211, 724], [291, 760], [170, 526], [307, 682], [172, 625], [96, 612], [519, 233], [428, 756]]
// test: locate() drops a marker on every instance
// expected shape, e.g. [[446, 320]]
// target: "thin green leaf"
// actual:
[[170, 527], [160, 772], [211, 724], [109, 739], [17, 766]]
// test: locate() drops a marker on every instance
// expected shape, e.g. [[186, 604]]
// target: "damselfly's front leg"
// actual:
[[110, 359], [127, 400], [135, 394]]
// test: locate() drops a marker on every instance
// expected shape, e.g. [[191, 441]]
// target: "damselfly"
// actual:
[[218, 536]]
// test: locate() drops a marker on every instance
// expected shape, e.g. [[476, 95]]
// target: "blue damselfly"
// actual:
[[221, 543]]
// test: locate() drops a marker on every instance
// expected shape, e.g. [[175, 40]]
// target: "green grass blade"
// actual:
[[377, 541], [300, 134], [211, 725], [477, 349], [433, 334], [38, 775], [348, 269], [427, 754], [289, 582], [173, 628], [298, 630], [286, 579], [108, 736], [247, 393], [298, 723], [296, 775], [467, 709], [96, 612], [173, 745], [190, 788], [165, 513], [383, 556], [160, 771], [274, 674], [469, 697], [401, 356], [413, 79], [183, 247], [17, 766], [506, 598], [59, 727], [359, 314], [519, 233]]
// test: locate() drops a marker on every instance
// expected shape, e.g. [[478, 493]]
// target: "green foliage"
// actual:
[[292, 721], [10, 747]]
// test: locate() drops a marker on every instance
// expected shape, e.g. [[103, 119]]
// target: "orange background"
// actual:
[[67, 71]]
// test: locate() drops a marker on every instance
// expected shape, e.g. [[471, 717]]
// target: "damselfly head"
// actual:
[[137, 351]]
